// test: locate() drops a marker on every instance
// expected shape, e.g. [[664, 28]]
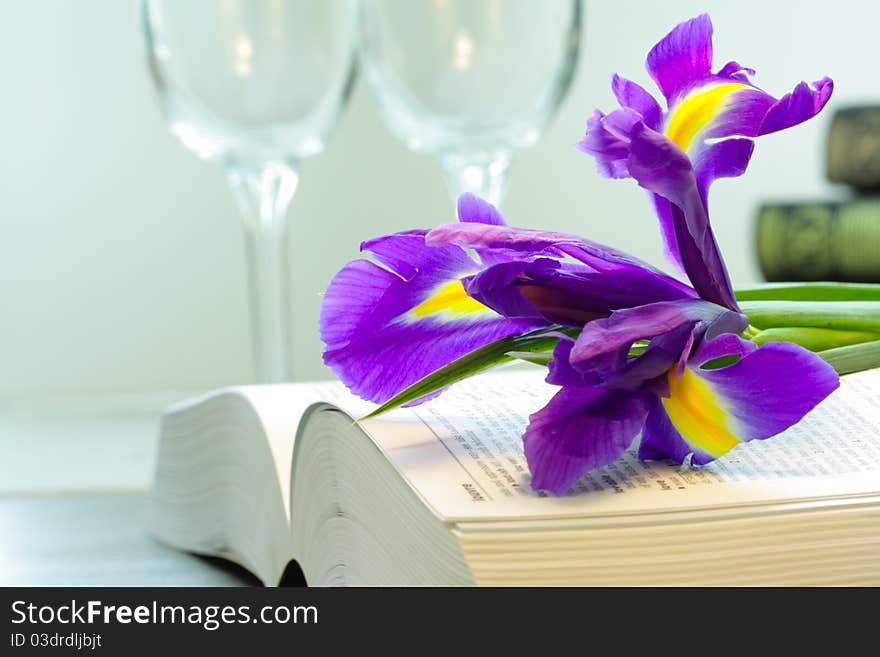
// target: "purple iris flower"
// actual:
[[390, 323], [704, 134], [654, 356], [680, 407], [696, 388]]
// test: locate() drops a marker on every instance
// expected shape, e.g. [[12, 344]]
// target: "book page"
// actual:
[[280, 407], [462, 452]]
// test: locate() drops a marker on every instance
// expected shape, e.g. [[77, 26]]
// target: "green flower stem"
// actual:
[[845, 332], [751, 332], [853, 358], [811, 292], [837, 315], [814, 339]]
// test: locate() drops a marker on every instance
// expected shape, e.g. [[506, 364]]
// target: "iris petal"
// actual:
[[750, 112], [801, 104], [660, 439], [726, 344], [698, 110], [580, 429], [701, 418], [661, 167], [708, 412], [496, 287], [631, 95], [771, 388], [607, 139], [568, 293], [519, 242], [705, 135], [473, 209], [682, 56], [648, 370], [663, 209], [387, 327], [725, 159], [560, 371], [735, 71], [601, 341]]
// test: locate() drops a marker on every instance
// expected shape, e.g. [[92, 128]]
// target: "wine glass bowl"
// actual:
[[251, 81], [469, 82], [256, 86]]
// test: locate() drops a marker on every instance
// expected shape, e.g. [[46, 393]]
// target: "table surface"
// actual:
[[74, 488], [96, 540]]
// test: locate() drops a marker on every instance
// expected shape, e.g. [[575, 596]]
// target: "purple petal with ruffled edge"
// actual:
[[726, 108], [663, 210], [649, 369], [473, 209], [747, 111], [725, 344], [805, 102], [735, 71], [559, 370], [600, 342], [607, 139], [568, 293], [682, 56], [543, 290], [661, 167], [580, 429], [772, 388], [631, 95], [387, 327], [712, 118], [517, 243], [660, 439], [708, 412], [726, 159], [728, 103], [717, 120]]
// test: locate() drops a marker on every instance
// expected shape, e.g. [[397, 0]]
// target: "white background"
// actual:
[[121, 258]]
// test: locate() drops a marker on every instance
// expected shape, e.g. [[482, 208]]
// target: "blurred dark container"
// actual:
[[822, 241], [854, 148]]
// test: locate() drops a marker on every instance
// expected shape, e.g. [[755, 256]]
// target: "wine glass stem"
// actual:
[[264, 193], [482, 174]]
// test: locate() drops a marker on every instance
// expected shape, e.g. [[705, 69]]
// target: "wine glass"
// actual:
[[470, 81], [256, 86]]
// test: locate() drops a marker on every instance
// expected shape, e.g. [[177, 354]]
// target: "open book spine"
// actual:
[[216, 492], [355, 520]]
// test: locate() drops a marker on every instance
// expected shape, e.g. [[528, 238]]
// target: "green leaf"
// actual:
[[811, 292], [839, 315], [853, 358], [538, 358], [814, 339], [477, 361]]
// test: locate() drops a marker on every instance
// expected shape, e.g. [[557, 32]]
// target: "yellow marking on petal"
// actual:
[[694, 410], [451, 299], [696, 110]]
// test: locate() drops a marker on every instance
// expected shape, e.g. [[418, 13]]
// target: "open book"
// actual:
[[439, 494]]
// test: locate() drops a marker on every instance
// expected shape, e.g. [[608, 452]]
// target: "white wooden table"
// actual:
[[74, 485]]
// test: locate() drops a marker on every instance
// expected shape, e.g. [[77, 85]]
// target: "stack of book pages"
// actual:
[[439, 494]]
